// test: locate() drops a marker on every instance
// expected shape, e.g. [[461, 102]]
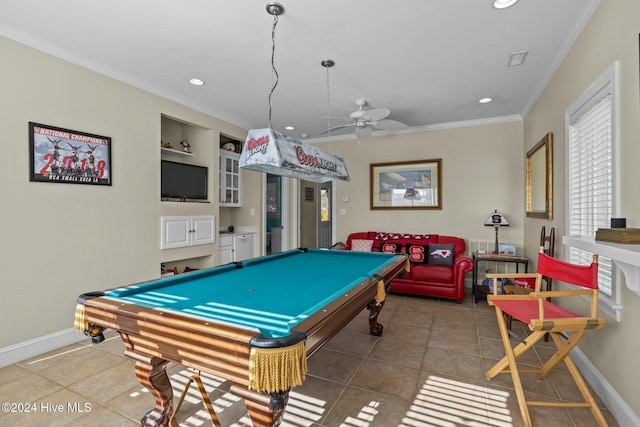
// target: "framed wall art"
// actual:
[[406, 185], [68, 156], [506, 249], [539, 179]]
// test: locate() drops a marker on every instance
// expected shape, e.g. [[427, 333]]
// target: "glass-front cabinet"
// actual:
[[230, 179]]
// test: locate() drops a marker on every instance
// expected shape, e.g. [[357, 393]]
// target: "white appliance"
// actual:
[[242, 246], [276, 240]]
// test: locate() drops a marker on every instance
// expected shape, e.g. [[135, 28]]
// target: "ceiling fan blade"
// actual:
[[370, 115], [363, 131], [376, 114], [339, 118], [331, 129], [390, 125]]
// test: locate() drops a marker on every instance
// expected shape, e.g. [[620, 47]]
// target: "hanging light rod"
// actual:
[[275, 8], [266, 150], [328, 63]]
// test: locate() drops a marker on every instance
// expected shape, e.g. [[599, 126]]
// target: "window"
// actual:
[[591, 180]]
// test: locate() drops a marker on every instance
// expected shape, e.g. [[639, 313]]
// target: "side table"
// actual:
[[480, 291]]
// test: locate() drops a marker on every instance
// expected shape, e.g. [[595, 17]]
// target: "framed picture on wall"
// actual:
[[406, 185], [68, 156], [506, 249]]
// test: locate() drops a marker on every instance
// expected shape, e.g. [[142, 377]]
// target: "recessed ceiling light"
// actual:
[[503, 4], [196, 82], [289, 127], [485, 100]]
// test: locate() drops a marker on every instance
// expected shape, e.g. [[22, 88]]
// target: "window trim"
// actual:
[[607, 82]]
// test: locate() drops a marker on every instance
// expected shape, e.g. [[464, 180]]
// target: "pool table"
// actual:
[[253, 323]]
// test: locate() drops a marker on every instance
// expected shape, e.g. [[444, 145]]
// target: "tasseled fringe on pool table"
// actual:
[[381, 293], [80, 322], [277, 369]]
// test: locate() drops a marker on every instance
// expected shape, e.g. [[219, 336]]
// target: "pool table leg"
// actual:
[[258, 407], [152, 374], [375, 328]]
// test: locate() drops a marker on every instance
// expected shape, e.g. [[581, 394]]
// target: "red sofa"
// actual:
[[429, 274]]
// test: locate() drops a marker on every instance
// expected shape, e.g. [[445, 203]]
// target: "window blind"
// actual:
[[590, 177]]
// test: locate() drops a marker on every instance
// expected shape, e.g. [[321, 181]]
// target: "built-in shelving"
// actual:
[[187, 230], [172, 152]]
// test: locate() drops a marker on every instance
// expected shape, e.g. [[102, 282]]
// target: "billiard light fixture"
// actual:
[[496, 220], [268, 151]]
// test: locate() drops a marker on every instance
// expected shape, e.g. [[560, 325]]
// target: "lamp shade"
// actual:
[[266, 150], [496, 219]]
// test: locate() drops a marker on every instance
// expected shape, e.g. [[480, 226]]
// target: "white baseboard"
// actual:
[[617, 406], [37, 346]]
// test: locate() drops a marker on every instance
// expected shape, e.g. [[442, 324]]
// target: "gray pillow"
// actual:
[[441, 254]]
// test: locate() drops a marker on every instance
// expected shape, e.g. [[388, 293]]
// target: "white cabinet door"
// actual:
[[226, 250], [175, 231], [226, 255], [202, 231], [181, 231], [230, 179]]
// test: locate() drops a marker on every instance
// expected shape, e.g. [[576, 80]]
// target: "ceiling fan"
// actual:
[[365, 121]]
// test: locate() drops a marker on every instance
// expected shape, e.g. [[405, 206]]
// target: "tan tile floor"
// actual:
[[426, 370]]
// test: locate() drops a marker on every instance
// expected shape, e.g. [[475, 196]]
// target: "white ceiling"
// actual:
[[428, 61]]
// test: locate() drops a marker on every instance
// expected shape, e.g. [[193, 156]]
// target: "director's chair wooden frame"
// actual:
[[566, 328]]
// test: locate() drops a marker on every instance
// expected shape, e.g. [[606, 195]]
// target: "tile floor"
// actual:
[[426, 370]]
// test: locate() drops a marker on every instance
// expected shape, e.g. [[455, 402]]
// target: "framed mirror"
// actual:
[[540, 179]]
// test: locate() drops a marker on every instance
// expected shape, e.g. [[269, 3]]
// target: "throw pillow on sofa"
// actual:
[[417, 253], [391, 248], [361, 245], [440, 254]]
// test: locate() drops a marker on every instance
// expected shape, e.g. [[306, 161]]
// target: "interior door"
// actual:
[[308, 214], [273, 212], [325, 216], [277, 220]]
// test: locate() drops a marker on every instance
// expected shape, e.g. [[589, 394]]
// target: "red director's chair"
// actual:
[[566, 328]]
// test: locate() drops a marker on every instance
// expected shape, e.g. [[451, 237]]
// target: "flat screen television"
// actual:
[[183, 181]]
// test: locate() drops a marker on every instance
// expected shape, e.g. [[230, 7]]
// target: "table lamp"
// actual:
[[497, 220]]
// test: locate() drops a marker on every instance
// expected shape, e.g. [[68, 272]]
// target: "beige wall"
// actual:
[[481, 171], [611, 35], [60, 240]]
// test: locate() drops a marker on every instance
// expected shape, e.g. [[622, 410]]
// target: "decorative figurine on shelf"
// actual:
[[229, 146], [168, 146], [185, 146]]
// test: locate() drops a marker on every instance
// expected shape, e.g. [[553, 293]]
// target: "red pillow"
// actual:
[[391, 247], [418, 253]]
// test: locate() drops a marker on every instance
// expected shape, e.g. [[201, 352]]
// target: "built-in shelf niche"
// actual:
[[171, 152]]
